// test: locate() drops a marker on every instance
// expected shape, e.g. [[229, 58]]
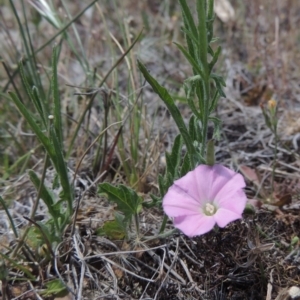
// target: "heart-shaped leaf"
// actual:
[[127, 200]]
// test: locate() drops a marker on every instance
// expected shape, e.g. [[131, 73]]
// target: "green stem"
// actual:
[[202, 57], [163, 224], [160, 235], [202, 34], [275, 157], [137, 224]]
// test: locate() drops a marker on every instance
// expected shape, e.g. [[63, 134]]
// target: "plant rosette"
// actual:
[[204, 197]]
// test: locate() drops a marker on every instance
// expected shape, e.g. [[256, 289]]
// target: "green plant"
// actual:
[[47, 126], [271, 120], [45, 116], [202, 90]]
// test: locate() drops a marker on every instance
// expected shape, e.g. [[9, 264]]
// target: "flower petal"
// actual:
[[221, 177], [204, 182], [235, 183], [178, 202], [189, 184], [234, 201], [194, 225], [224, 216]]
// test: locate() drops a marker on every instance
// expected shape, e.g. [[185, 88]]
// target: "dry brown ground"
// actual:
[[254, 258]]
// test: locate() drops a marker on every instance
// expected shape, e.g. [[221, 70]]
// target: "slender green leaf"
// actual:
[[219, 78], [169, 180], [187, 15], [56, 99], [219, 82], [42, 102], [193, 39], [36, 129], [186, 166], [198, 67], [214, 102], [173, 159], [33, 60], [192, 106], [217, 127], [17, 266], [162, 185], [210, 9], [24, 38], [61, 31], [202, 36], [194, 85], [210, 51], [210, 20], [62, 171], [30, 93], [45, 195], [9, 217], [194, 129], [215, 58], [192, 47], [174, 111], [200, 95]]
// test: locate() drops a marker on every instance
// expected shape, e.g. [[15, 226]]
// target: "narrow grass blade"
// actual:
[[62, 30], [56, 98], [36, 129], [46, 196], [11, 79], [62, 171], [22, 32], [17, 266], [33, 61], [33, 97], [9, 217]]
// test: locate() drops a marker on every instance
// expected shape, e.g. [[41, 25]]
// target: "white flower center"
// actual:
[[209, 209]]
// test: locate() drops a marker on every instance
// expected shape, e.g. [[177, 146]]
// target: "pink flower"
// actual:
[[204, 197]]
